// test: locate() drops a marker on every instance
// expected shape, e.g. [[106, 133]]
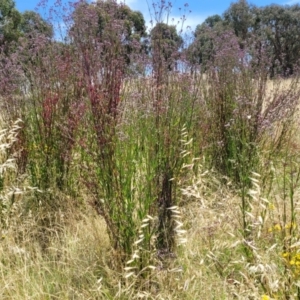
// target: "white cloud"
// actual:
[[291, 2], [191, 21], [129, 2]]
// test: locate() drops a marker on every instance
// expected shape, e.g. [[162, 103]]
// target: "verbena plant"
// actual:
[[240, 114], [50, 104], [131, 133], [235, 105]]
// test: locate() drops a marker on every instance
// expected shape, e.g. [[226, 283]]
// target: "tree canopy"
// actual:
[[10, 20], [31, 23], [271, 32], [165, 43], [14, 25], [109, 23]]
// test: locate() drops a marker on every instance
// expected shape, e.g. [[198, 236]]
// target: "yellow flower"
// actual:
[[265, 297], [277, 227], [271, 206], [285, 254], [290, 225]]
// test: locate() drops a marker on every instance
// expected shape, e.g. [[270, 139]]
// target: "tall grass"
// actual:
[[128, 166], [9, 189]]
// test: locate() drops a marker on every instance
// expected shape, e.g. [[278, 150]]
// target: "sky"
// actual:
[[196, 12]]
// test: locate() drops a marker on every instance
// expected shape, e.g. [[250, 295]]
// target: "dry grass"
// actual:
[[212, 265], [78, 262]]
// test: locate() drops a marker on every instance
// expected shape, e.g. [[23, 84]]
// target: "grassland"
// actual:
[[66, 252]]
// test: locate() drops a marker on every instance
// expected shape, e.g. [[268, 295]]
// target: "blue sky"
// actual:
[[200, 9]]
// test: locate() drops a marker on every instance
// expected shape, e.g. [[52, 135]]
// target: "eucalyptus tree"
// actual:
[[277, 31], [239, 17], [32, 23], [165, 45], [10, 20], [108, 23], [202, 49]]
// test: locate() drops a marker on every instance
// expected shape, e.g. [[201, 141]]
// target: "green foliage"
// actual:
[[51, 110], [235, 104], [10, 19], [32, 23], [104, 17], [271, 31], [239, 18], [211, 22], [277, 28], [134, 171], [202, 50], [165, 43], [14, 25]]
